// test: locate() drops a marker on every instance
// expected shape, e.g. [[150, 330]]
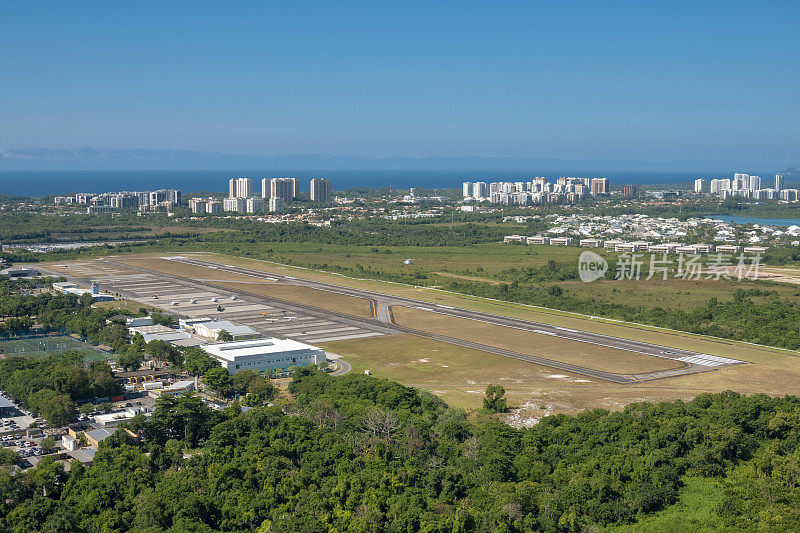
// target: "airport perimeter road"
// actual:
[[344, 368], [689, 362]]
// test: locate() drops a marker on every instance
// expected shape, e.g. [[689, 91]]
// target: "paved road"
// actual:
[[344, 368], [689, 362]]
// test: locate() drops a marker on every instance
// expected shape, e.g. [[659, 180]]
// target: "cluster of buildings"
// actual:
[[636, 246], [160, 200], [640, 232], [746, 186], [245, 349], [276, 193], [536, 191], [67, 287]]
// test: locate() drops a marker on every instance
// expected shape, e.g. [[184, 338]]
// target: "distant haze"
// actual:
[[43, 183]]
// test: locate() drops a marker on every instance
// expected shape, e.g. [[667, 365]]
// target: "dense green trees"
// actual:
[[494, 399], [52, 385], [358, 453], [224, 336]]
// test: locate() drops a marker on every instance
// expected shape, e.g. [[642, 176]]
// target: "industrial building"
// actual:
[[7, 407], [67, 287], [264, 354], [176, 389], [157, 332], [19, 272], [210, 329]]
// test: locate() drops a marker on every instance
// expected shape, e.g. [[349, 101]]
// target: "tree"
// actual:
[[48, 444], [495, 399], [86, 299], [219, 379], [163, 351], [130, 359], [381, 424], [242, 380], [59, 410], [164, 319], [197, 362], [106, 407], [9, 457], [86, 409], [224, 336]]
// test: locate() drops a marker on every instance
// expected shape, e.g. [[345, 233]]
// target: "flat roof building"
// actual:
[[158, 332], [264, 354], [210, 329], [66, 287], [19, 272], [7, 407]]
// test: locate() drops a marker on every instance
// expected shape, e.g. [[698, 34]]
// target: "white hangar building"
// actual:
[[264, 354]]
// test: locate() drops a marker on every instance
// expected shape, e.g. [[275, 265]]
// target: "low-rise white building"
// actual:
[[210, 329], [158, 332], [264, 354]]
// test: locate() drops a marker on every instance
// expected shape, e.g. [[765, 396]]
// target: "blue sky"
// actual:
[[710, 84]]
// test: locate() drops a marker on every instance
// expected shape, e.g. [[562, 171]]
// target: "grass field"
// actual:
[[566, 351], [41, 346]]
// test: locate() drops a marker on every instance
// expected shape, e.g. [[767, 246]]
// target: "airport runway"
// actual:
[[689, 362]]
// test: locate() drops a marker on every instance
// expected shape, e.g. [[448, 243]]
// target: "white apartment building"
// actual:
[[699, 186], [240, 188], [213, 207], [254, 204], [719, 185], [285, 188], [740, 182], [320, 190], [234, 204], [197, 205], [600, 186], [276, 204]]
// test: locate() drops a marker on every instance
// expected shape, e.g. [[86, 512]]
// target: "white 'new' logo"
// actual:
[[591, 266]]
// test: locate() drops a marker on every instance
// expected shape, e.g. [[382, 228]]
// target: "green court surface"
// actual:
[[42, 345]]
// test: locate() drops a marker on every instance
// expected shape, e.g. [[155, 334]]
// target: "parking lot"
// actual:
[[200, 299]]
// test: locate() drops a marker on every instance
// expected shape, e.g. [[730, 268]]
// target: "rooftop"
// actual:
[[230, 327], [230, 350]]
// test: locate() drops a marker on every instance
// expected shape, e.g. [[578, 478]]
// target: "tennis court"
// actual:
[[42, 345]]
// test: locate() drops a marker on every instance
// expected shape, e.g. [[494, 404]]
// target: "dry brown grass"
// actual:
[[307, 296], [175, 268], [460, 376], [566, 351]]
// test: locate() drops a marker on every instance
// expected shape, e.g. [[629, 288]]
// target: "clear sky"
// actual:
[[714, 84]]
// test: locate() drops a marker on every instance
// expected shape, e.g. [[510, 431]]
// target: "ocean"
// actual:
[[43, 183]]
